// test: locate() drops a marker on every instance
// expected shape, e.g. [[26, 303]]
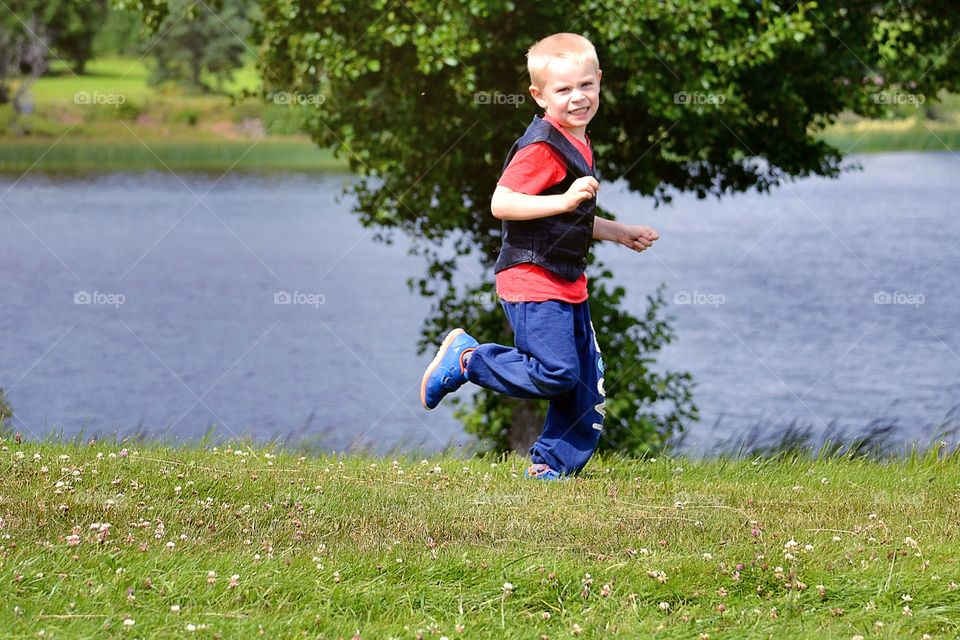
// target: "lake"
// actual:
[[166, 304]]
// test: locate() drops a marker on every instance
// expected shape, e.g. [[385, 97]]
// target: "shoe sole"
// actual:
[[436, 361]]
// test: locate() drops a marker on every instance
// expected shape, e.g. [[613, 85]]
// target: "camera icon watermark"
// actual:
[[96, 98], [297, 98], [699, 297], [299, 298], [98, 298], [486, 298], [899, 97], [899, 298], [495, 97], [698, 98]]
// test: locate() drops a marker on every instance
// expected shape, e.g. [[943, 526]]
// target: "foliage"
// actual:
[[24, 44], [73, 26], [193, 46], [34, 31], [121, 33]]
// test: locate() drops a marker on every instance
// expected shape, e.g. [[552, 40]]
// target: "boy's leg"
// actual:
[[575, 419], [543, 364]]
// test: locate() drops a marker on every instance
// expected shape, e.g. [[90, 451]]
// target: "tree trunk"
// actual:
[[527, 425]]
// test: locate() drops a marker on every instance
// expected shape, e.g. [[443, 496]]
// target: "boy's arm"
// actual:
[[507, 204], [636, 237]]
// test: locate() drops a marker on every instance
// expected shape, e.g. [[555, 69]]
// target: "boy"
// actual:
[[546, 198]]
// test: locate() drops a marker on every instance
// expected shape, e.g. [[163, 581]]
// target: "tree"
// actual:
[[74, 26], [33, 31], [24, 46], [706, 96], [197, 41]]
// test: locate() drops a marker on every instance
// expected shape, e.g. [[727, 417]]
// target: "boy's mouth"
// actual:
[[582, 111]]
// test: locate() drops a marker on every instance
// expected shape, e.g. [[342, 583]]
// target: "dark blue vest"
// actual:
[[559, 242]]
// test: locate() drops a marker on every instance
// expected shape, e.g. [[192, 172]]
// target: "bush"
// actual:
[[126, 110], [189, 116], [7, 116], [285, 120]]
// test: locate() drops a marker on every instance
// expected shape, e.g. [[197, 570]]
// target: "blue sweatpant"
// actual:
[[555, 357]]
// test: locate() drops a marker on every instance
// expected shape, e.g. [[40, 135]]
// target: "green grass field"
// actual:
[[872, 137], [126, 76], [151, 540], [118, 75], [134, 155]]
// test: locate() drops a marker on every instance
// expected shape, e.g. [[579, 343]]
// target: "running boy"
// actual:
[[546, 197]]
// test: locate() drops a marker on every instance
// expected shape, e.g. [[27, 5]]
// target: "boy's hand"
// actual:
[[582, 189], [638, 237]]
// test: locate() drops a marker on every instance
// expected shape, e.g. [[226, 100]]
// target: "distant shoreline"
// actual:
[[47, 155]]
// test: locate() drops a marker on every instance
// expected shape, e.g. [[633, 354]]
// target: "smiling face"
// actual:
[[569, 92]]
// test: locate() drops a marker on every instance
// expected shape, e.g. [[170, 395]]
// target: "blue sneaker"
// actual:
[[446, 373], [541, 472]]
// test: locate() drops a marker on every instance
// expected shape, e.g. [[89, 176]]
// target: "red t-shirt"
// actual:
[[535, 168]]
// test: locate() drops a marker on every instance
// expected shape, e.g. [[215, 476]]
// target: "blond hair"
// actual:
[[559, 45]]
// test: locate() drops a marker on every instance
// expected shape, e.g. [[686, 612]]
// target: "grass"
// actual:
[[234, 540], [133, 155], [870, 136], [114, 75], [118, 75]]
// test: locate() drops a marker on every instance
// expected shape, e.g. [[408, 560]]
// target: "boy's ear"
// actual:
[[538, 96]]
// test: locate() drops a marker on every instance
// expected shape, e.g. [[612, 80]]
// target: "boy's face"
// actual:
[[570, 92]]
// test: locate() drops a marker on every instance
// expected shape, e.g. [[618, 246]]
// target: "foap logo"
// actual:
[[495, 97], [99, 99], [299, 298], [698, 97], [99, 298], [899, 297], [486, 298], [899, 97], [302, 99], [699, 297]]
